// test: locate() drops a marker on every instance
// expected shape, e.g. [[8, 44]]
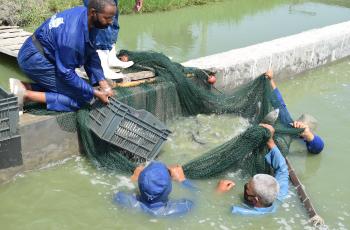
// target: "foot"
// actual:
[[116, 63], [107, 71], [113, 61]]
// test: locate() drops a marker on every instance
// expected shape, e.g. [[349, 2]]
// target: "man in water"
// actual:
[[313, 142], [154, 182], [263, 192]]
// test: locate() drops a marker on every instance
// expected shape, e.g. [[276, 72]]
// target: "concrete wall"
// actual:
[[43, 141], [287, 56]]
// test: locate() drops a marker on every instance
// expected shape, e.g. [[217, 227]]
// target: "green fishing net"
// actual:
[[183, 90]]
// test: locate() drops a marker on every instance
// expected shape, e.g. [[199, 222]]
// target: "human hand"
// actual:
[[225, 186], [269, 127], [269, 74], [136, 174], [307, 134], [177, 173], [270, 143], [138, 5], [101, 96], [106, 88]]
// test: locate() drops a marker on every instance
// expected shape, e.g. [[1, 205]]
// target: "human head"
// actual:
[[261, 190], [154, 183], [308, 120], [101, 13], [315, 145]]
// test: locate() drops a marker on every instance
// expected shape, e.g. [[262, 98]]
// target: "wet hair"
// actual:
[[266, 188], [99, 5], [308, 120]]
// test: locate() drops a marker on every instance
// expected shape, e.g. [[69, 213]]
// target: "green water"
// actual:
[[200, 31], [74, 195]]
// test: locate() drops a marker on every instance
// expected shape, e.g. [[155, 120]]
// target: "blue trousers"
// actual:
[[59, 96]]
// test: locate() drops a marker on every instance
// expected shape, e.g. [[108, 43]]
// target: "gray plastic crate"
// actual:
[[11, 152], [8, 115], [138, 133]]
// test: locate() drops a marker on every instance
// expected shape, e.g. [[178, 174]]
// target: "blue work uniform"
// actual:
[[106, 38], [155, 187], [66, 44], [316, 145], [280, 167]]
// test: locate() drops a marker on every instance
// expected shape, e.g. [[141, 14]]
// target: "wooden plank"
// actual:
[[13, 47], [10, 31], [9, 52], [13, 41], [14, 35], [8, 27]]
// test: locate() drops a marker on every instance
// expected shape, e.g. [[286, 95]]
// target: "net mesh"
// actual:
[[174, 92]]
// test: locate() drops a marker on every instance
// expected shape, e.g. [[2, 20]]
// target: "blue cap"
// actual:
[[155, 183], [316, 145]]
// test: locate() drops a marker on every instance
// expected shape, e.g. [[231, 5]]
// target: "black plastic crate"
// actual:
[[138, 133], [9, 116], [10, 152]]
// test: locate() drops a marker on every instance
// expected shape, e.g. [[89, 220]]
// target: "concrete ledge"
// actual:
[[286, 56]]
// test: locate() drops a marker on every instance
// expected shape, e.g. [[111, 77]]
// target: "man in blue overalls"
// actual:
[[154, 189], [60, 45], [314, 143], [105, 40]]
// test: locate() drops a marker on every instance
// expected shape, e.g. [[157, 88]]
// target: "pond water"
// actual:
[[74, 194]]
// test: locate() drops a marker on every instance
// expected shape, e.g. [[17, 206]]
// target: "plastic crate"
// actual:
[[138, 133], [10, 152], [9, 116]]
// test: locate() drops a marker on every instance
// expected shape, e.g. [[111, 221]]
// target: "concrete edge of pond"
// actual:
[[287, 56], [43, 141]]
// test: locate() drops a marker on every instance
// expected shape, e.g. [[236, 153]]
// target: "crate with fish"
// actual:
[[137, 133]]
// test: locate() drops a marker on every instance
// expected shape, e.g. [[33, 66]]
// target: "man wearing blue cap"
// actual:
[[154, 188], [314, 143], [105, 40]]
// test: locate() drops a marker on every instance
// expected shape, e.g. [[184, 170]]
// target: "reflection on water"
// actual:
[[199, 31]]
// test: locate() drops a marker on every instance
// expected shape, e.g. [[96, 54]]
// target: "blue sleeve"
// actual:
[[189, 185], [252, 211], [93, 69], [278, 103], [125, 200], [66, 61], [316, 145], [278, 163]]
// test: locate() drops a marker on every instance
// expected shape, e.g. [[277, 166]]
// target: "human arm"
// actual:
[[177, 174], [275, 158], [225, 186], [136, 174], [279, 165], [314, 143]]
